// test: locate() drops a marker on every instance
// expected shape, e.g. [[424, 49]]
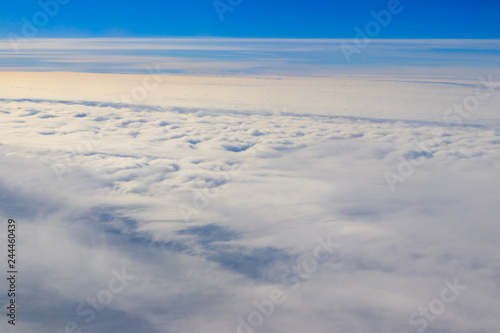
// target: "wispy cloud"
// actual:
[[250, 56]]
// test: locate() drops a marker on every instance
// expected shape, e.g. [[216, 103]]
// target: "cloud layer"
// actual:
[[232, 56], [210, 209]]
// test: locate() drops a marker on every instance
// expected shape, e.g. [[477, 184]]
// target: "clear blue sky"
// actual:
[[256, 18]]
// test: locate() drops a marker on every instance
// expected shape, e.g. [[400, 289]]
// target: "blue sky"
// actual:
[[255, 18]]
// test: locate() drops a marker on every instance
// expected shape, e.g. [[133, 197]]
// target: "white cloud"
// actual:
[[272, 165]]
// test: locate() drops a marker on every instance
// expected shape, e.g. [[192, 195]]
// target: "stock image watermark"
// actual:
[[454, 115], [421, 318], [223, 6], [87, 310], [137, 94], [31, 27], [203, 197], [140, 92], [11, 271], [90, 143], [294, 276], [372, 29]]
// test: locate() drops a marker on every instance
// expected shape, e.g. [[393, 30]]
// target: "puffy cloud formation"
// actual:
[[312, 204]]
